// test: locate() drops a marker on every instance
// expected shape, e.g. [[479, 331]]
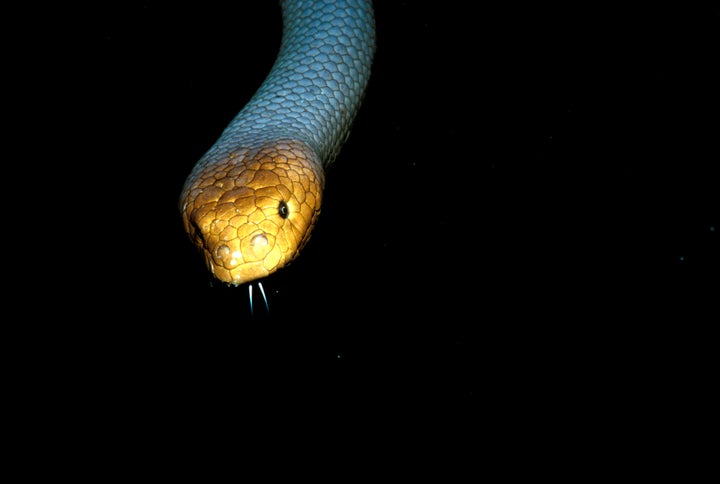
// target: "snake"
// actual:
[[251, 201]]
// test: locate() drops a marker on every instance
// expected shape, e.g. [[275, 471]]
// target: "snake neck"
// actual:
[[317, 82]]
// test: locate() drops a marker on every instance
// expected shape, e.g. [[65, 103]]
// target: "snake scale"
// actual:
[[251, 201]]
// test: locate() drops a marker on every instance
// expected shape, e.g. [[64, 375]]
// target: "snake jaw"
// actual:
[[252, 213]]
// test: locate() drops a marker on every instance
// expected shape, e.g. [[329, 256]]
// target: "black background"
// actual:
[[526, 208]]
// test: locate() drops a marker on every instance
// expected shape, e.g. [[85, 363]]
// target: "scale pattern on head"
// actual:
[[252, 214]]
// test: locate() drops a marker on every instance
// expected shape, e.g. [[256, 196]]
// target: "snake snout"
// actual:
[[242, 259], [231, 254]]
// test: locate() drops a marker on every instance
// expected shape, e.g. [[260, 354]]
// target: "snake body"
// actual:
[[251, 201]]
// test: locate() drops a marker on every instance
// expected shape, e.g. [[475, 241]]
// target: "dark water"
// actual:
[[526, 206]]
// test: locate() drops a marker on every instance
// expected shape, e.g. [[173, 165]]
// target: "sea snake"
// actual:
[[251, 201]]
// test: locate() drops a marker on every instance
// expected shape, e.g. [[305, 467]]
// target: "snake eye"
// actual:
[[200, 240], [283, 209]]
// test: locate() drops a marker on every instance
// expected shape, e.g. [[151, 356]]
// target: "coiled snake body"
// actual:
[[250, 202]]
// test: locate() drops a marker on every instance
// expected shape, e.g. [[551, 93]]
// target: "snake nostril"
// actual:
[[227, 258], [222, 251], [260, 240]]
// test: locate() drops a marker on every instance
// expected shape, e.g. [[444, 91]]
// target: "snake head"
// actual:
[[251, 212]]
